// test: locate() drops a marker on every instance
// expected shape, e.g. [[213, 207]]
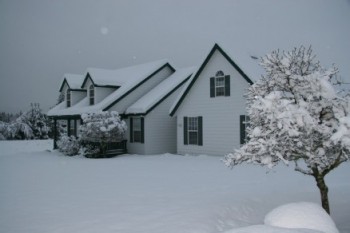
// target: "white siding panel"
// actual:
[[160, 128], [140, 91], [220, 114]]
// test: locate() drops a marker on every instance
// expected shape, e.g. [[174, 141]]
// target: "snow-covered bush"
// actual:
[[101, 128], [68, 145], [296, 114]]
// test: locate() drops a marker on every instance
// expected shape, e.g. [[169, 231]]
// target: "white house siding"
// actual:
[[102, 92], [140, 91], [76, 96], [221, 128], [135, 147], [160, 128]]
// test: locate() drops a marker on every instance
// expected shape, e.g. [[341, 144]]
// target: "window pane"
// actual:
[[137, 124], [137, 136], [192, 123], [220, 86], [220, 91], [193, 138]]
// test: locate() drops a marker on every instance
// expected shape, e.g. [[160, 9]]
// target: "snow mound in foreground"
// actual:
[[270, 229], [301, 215]]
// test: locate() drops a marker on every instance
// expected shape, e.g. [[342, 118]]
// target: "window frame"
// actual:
[[91, 94], [137, 131], [193, 127], [68, 98]]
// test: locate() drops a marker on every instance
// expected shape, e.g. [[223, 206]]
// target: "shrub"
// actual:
[[68, 145]]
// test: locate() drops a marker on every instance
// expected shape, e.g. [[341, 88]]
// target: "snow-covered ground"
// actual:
[[43, 191]]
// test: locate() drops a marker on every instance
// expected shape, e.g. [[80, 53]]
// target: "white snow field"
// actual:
[[43, 191]]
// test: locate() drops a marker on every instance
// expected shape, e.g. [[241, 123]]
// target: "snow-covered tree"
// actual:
[[297, 115], [102, 128], [36, 120], [68, 145]]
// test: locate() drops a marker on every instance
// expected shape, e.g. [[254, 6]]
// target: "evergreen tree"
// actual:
[[297, 115]]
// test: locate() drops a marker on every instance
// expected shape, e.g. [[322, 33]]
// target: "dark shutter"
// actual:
[[131, 130], [212, 87], [227, 85], [142, 130], [200, 131], [242, 129], [185, 131]]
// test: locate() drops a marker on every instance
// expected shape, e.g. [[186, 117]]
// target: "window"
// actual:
[[92, 95], [137, 129], [220, 85], [193, 131], [72, 126], [68, 96], [244, 124]]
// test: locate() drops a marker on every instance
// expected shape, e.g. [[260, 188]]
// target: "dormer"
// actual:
[[71, 89], [99, 84]]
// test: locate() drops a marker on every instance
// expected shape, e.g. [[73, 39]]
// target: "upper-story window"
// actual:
[[220, 84], [92, 94], [68, 98]]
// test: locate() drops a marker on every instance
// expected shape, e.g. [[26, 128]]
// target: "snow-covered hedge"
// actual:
[[68, 145]]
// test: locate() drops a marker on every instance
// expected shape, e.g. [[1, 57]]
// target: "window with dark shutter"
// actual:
[[220, 85], [193, 131]]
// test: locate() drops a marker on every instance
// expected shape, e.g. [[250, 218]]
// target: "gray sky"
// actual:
[[40, 40]]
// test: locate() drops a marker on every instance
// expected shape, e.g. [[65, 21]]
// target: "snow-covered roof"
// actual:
[[247, 66], [161, 91], [118, 77], [73, 81], [131, 76]]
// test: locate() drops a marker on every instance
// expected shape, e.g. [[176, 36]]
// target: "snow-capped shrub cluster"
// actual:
[[296, 114], [102, 127], [68, 145], [99, 129]]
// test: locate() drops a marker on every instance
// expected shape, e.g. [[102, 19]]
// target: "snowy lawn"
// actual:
[[43, 191]]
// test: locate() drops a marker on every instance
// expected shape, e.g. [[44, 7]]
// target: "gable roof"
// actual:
[[159, 93], [140, 74], [118, 77], [73, 81], [194, 77]]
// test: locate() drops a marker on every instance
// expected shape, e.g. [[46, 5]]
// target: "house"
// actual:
[[106, 90], [210, 110], [185, 111]]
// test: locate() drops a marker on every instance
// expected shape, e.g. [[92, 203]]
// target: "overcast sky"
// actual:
[[40, 40]]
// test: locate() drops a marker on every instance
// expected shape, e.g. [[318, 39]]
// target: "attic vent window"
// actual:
[[92, 95], [220, 84], [68, 98]]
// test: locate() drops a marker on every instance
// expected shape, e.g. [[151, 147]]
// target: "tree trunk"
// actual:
[[323, 191]]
